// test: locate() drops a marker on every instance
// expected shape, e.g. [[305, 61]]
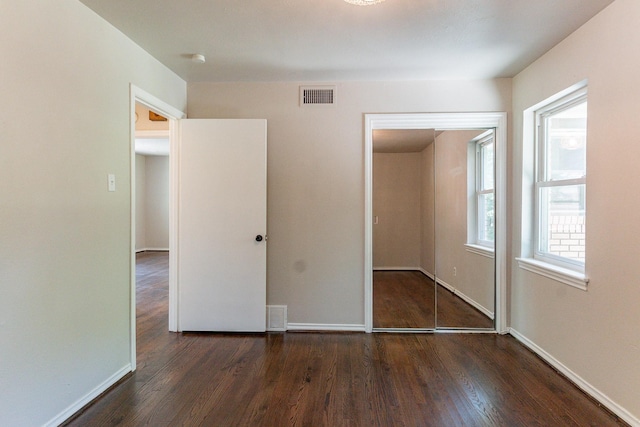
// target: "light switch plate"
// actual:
[[112, 182]]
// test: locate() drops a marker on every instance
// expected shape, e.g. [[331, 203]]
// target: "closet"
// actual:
[[433, 229]]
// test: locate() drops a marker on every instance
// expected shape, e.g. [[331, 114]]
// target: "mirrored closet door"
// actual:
[[432, 234], [465, 224], [403, 233]]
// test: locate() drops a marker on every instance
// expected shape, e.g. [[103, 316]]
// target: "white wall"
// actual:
[[141, 205], [64, 239], [316, 179], [595, 333], [397, 186]]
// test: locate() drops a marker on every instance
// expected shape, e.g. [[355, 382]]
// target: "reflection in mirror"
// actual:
[[464, 224], [403, 229]]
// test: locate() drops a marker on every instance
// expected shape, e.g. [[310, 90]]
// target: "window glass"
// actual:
[[485, 192], [486, 217], [562, 217], [486, 155], [561, 182], [566, 143]]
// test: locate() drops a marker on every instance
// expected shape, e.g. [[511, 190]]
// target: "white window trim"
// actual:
[[480, 250], [563, 275], [571, 277]]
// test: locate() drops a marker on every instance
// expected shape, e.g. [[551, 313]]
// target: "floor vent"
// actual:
[[317, 95], [276, 318]]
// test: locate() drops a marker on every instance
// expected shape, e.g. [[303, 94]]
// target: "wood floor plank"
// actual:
[[331, 379]]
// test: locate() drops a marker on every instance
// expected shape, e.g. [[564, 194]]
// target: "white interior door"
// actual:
[[222, 211]]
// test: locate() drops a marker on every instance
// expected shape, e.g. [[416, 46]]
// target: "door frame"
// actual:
[[138, 95], [442, 121]]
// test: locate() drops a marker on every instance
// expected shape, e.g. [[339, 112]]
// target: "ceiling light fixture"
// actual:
[[198, 58], [364, 2]]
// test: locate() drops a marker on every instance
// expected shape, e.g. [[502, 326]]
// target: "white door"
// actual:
[[222, 252]]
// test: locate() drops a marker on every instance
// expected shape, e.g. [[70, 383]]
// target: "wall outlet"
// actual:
[[455, 271]]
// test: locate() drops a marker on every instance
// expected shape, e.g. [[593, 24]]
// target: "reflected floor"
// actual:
[[405, 299]]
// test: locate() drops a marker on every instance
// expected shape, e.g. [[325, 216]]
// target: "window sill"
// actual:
[[559, 274], [479, 250]]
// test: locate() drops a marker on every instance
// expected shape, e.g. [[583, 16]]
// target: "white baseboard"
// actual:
[[578, 380], [420, 269], [152, 250], [83, 401], [484, 310], [426, 273], [325, 327]]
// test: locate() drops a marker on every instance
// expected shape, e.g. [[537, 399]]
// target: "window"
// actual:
[[484, 191], [560, 182], [481, 218]]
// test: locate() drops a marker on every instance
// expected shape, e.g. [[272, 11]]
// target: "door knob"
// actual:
[[258, 238]]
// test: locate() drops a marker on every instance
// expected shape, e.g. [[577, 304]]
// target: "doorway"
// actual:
[[442, 122], [150, 102], [151, 219]]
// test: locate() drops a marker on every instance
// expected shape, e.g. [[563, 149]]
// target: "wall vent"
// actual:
[[317, 95]]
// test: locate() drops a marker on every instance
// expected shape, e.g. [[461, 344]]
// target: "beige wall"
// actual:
[[474, 275], [316, 179], [427, 198], [397, 205], [64, 276], [64, 239], [593, 333], [152, 202], [144, 123]]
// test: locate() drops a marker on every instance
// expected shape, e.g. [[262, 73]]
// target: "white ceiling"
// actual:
[[330, 40], [152, 146]]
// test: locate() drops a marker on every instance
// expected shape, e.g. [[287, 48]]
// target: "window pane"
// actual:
[[486, 156], [562, 221], [566, 143], [486, 217]]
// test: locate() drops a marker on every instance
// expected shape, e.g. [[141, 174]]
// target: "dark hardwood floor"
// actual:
[[405, 299], [331, 379]]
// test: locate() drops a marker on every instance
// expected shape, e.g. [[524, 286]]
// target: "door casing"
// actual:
[[442, 121], [172, 114]]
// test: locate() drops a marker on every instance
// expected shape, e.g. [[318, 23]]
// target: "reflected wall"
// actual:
[[465, 269]]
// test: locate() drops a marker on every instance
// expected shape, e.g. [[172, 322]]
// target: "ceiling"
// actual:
[[155, 146], [402, 140], [330, 40]]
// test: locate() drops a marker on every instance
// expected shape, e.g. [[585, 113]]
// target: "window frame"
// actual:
[[473, 244], [487, 138], [541, 181]]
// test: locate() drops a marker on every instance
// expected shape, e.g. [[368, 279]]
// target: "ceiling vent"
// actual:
[[317, 95]]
